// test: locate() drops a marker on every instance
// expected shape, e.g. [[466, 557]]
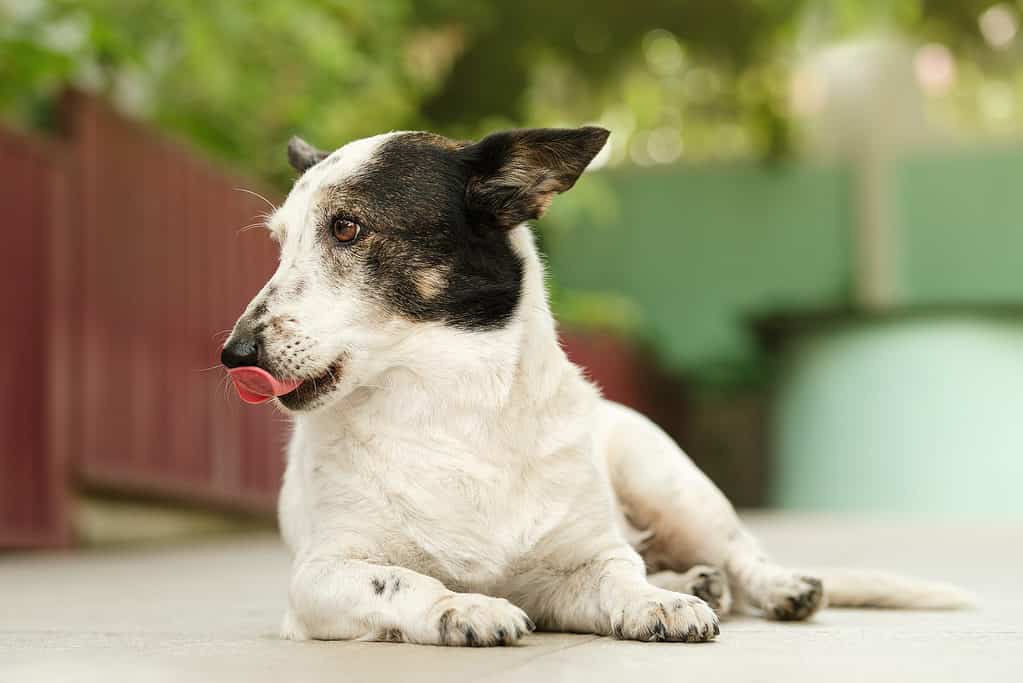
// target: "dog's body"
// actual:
[[452, 477]]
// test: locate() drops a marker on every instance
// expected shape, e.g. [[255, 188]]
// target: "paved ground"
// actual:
[[208, 612]]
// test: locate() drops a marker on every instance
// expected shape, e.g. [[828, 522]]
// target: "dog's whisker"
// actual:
[[212, 367], [225, 393], [256, 194], [251, 226]]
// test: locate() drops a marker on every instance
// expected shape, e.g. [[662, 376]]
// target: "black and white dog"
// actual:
[[452, 478]]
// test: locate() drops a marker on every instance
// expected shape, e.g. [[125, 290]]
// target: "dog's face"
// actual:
[[392, 233]]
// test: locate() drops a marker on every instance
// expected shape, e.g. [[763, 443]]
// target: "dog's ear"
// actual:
[[514, 175], [302, 156]]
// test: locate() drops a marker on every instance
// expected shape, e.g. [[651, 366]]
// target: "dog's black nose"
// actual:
[[241, 351]]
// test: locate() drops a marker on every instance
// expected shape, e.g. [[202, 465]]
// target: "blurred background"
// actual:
[[800, 252]]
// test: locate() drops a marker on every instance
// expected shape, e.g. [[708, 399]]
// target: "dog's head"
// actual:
[[392, 233]]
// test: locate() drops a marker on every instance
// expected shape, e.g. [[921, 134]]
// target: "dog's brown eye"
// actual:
[[345, 230]]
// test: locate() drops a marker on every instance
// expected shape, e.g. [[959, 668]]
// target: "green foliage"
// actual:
[[703, 79], [238, 78]]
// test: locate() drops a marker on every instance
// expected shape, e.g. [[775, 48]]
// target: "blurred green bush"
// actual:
[[703, 79]]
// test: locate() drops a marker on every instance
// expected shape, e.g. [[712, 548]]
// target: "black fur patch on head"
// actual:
[[425, 259], [436, 216]]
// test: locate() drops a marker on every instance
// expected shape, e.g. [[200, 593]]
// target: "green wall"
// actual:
[[702, 248], [959, 222]]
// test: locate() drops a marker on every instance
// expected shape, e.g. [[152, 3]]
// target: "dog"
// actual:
[[452, 478]]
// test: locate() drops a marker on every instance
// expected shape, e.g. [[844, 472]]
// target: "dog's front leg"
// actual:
[[608, 594], [344, 599]]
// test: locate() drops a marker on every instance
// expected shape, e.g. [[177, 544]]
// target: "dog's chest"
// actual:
[[459, 511]]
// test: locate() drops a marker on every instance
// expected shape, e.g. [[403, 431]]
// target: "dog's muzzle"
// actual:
[[241, 357]]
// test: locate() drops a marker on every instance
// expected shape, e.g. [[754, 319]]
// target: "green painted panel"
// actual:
[[920, 416], [960, 226], [702, 248]]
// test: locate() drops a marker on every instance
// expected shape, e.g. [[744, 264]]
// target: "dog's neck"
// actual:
[[448, 376]]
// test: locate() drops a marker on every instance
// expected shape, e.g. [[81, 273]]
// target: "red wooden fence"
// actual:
[[163, 272], [125, 268], [33, 449]]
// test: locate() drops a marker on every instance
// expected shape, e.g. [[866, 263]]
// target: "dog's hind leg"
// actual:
[[589, 581], [687, 521], [707, 583]]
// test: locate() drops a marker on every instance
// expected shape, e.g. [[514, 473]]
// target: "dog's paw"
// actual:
[[793, 598], [473, 620], [711, 586], [707, 583], [664, 615]]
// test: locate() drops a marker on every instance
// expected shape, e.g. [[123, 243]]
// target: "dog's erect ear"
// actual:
[[514, 175], [302, 155]]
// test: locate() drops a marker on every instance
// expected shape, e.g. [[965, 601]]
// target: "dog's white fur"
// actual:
[[456, 485]]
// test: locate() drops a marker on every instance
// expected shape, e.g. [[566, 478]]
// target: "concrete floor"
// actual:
[[209, 611]]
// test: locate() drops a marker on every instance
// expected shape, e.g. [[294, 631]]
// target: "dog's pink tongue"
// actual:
[[256, 385]]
